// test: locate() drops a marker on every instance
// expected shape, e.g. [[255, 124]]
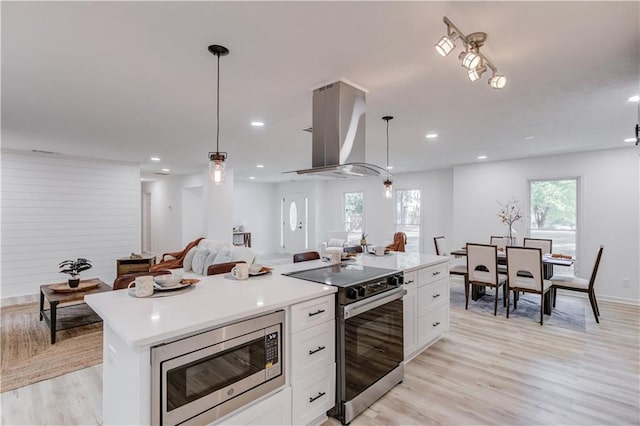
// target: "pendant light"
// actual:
[[388, 188], [217, 159]]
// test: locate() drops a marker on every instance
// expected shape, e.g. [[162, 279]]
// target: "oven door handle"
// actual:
[[372, 302]]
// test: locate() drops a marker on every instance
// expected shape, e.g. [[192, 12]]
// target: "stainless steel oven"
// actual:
[[200, 378], [370, 351]]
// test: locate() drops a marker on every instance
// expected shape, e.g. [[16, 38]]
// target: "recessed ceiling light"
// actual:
[[528, 138], [635, 98], [155, 158], [431, 135], [166, 170], [252, 177], [389, 167], [141, 179], [482, 157], [630, 140], [257, 123], [260, 166]]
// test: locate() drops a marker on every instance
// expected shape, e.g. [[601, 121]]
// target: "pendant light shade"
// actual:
[[388, 183], [217, 159]]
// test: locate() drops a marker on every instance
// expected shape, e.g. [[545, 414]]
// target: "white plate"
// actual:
[[253, 274], [156, 287]]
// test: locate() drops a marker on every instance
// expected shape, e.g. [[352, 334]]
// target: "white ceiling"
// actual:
[[125, 81]]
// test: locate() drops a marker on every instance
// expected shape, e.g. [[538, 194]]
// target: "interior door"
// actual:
[[294, 223]]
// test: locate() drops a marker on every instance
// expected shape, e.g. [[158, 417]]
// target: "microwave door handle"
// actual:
[[373, 302]]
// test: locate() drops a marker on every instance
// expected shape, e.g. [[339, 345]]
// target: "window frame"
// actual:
[[344, 218], [395, 215]]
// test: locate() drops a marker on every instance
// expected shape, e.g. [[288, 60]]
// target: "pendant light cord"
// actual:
[[387, 146], [218, 110]]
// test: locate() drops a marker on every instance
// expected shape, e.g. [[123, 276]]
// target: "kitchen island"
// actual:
[[133, 325]]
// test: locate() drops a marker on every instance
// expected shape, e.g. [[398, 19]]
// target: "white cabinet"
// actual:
[[274, 410], [410, 301], [312, 366], [426, 307]]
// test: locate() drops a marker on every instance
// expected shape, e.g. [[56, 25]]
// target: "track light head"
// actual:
[[497, 81], [471, 60], [476, 73]]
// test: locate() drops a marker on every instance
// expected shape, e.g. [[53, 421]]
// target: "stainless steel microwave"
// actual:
[[200, 378]]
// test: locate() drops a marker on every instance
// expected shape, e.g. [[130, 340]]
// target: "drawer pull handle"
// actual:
[[317, 350], [435, 296], [320, 395], [435, 324], [435, 273], [319, 311]]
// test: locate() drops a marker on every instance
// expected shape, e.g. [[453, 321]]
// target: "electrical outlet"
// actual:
[[625, 282]]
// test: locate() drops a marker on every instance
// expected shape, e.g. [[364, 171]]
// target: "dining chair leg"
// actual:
[[504, 295], [595, 302], [516, 294], [541, 308], [495, 302], [593, 306], [466, 291], [553, 295], [507, 297]]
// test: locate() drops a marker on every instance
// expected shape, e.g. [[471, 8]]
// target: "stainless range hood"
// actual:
[[338, 129]]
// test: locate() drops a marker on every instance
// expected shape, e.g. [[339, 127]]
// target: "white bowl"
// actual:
[[167, 280]]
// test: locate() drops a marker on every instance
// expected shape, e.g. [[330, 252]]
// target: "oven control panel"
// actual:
[[362, 291]]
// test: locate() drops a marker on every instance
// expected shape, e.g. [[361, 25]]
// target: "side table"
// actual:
[[55, 298], [128, 265]]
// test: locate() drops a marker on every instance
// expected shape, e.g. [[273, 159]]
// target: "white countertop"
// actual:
[[219, 299]]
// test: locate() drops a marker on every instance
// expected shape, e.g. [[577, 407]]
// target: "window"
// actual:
[[354, 215], [554, 214], [408, 217]]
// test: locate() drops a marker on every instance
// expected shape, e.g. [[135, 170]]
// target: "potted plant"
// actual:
[[73, 268], [363, 240]]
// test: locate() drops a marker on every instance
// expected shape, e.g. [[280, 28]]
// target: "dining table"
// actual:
[[548, 262]]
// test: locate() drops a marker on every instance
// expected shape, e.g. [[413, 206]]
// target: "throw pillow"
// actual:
[[224, 255], [198, 261], [210, 261], [188, 259], [335, 242]]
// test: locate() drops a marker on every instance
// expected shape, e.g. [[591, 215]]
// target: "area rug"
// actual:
[[27, 355], [569, 311]]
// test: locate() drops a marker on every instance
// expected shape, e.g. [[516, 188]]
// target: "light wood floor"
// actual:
[[487, 370]]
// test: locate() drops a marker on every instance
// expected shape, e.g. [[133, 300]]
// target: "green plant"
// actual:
[[74, 267], [364, 236]]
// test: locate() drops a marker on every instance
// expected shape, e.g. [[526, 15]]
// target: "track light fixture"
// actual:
[[470, 58], [217, 159]]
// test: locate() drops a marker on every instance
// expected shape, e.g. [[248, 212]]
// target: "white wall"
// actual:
[[255, 206], [379, 214], [56, 208], [608, 208]]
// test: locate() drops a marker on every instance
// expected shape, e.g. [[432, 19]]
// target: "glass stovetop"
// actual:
[[342, 275]]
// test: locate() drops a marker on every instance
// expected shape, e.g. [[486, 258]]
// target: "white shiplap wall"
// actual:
[[56, 208]]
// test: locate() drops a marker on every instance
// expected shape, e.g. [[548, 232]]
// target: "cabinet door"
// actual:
[[410, 313]]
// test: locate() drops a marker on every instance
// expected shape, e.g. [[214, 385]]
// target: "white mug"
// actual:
[[240, 271], [144, 286], [335, 257], [380, 250]]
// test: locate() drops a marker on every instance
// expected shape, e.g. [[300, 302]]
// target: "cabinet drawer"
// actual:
[[313, 396], [312, 312], [432, 273], [433, 325], [410, 280], [312, 350], [129, 268], [431, 295]]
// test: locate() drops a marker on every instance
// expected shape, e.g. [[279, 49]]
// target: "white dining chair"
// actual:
[[567, 282], [482, 268], [542, 243], [524, 269]]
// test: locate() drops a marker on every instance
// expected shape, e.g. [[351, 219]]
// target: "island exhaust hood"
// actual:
[[338, 133]]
